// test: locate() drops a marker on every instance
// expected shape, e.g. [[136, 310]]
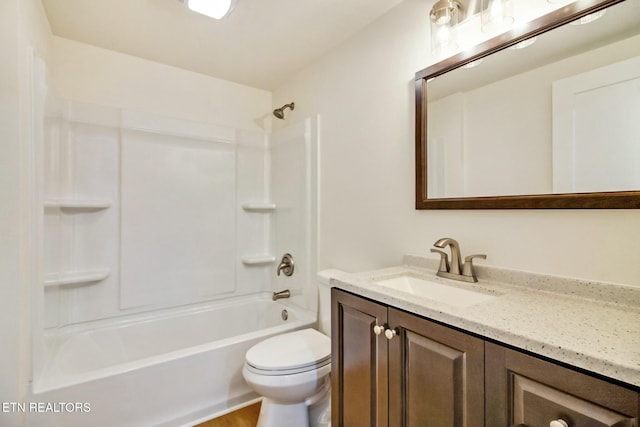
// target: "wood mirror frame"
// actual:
[[594, 200]]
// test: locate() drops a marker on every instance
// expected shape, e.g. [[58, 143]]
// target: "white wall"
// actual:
[[22, 26], [363, 90], [10, 289], [90, 74]]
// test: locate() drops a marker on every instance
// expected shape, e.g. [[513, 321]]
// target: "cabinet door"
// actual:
[[525, 391], [436, 375], [358, 362]]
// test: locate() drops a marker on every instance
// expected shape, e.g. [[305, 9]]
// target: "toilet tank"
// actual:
[[324, 303]]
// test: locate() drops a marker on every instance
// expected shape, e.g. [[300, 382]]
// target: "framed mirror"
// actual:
[[555, 124]]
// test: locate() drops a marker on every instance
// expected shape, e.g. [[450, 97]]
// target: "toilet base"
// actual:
[[274, 414]]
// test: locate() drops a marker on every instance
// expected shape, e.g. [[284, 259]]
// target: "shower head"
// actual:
[[279, 112]]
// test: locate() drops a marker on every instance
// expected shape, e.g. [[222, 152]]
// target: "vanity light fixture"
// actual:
[[446, 12], [449, 19], [496, 15], [473, 64], [587, 19], [216, 9], [444, 16], [524, 43]]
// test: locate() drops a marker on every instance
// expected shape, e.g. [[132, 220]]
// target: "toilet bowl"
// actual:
[[290, 371]]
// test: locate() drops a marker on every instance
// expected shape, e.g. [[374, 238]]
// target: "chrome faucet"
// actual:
[[455, 270], [280, 295], [286, 265]]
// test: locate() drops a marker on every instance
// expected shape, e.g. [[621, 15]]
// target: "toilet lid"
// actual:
[[290, 351]]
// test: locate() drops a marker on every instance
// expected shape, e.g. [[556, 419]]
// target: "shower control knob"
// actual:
[[286, 266], [559, 423], [390, 333], [378, 329]]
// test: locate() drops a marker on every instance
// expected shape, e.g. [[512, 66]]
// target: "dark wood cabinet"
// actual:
[[523, 390], [391, 368], [436, 374], [414, 373], [359, 395]]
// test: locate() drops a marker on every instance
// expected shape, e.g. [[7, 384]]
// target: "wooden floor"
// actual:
[[244, 417]]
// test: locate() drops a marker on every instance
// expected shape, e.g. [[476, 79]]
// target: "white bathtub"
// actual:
[[170, 369]]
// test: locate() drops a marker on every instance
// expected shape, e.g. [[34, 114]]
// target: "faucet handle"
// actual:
[[444, 260], [468, 270], [286, 265]]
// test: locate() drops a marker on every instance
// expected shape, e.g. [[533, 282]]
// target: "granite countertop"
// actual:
[[591, 325]]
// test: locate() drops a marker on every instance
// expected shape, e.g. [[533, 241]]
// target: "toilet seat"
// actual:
[[290, 353]]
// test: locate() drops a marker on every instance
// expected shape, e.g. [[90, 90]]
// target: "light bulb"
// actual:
[[496, 11], [443, 35], [444, 19]]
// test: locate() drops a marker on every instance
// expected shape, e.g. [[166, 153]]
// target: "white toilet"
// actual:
[[291, 371]]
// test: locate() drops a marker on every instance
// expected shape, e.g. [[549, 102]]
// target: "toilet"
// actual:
[[291, 372]]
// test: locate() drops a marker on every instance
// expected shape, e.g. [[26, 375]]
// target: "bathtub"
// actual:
[[177, 368]]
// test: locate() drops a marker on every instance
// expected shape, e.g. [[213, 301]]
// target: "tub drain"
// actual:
[[284, 314]]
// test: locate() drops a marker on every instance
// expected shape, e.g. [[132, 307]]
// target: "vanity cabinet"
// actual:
[[393, 369], [359, 360], [525, 391]]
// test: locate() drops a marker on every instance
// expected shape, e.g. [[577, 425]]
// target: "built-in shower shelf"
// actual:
[[259, 207], [76, 277], [258, 259], [78, 204]]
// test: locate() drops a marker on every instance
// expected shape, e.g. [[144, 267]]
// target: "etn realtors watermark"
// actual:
[[42, 407]]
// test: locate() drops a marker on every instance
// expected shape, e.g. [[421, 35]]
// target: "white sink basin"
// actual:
[[436, 291]]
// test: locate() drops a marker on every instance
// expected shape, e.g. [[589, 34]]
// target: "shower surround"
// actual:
[[158, 241]]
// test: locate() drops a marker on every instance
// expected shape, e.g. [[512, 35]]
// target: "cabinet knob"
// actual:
[[559, 423], [390, 333], [378, 329]]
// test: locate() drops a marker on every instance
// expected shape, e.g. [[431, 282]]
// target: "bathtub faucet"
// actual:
[[282, 294]]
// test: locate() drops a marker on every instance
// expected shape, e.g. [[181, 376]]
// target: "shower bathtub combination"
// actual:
[[174, 369], [158, 241]]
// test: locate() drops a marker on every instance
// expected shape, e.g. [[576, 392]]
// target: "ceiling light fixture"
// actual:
[[216, 9]]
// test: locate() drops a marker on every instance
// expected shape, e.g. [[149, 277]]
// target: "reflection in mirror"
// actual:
[[558, 116]]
